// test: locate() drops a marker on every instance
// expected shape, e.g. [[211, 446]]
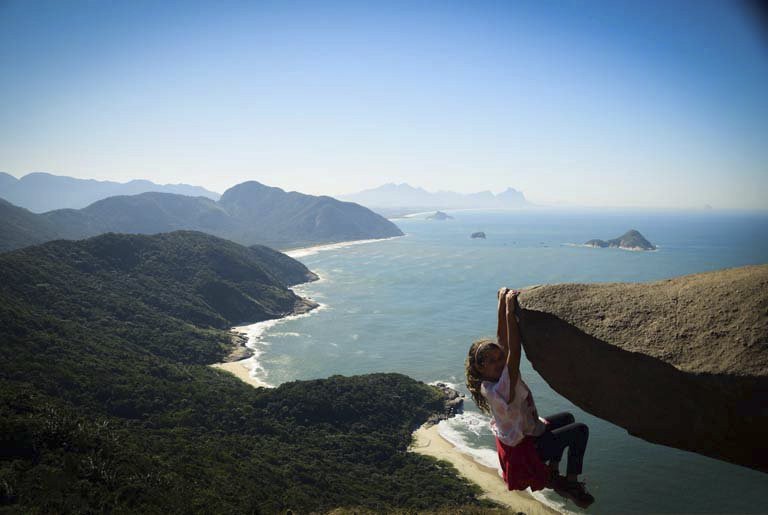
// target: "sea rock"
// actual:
[[681, 362], [439, 215], [239, 349], [453, 404], [630, 240], [476, 235]]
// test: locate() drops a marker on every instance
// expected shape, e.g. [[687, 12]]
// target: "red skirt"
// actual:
[[521, 465]]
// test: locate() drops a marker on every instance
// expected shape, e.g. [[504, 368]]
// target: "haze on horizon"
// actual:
[[653, 105]]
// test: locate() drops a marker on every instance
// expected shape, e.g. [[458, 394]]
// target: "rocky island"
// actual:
[[439, 215], [681, 362], [477, 235], [630, 240]]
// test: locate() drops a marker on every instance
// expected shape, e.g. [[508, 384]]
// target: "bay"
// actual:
[[414, 304]]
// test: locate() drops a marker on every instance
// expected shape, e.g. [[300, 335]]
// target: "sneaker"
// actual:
[[575, 491]]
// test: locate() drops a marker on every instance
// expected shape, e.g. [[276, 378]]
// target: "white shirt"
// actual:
[[512, 420]]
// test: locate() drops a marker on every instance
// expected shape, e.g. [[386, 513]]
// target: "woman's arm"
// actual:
[[501, 331], [513, 342]]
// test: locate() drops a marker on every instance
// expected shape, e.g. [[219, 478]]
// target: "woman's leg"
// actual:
[[556, 421], [551, 445], [559, 420]]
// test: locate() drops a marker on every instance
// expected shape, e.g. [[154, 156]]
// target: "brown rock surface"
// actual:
[[681, 362]]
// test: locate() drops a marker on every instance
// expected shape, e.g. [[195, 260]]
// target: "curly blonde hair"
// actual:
[[475, 356]]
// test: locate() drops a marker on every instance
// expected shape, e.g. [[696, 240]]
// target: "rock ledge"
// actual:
[[681, 362]]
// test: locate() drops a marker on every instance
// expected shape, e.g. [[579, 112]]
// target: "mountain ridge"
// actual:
[[403, 195], [248, 213], [40, 192]]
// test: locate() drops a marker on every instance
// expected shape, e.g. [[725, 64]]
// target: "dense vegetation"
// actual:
[[249, 213], [106, 402], [19, 227]]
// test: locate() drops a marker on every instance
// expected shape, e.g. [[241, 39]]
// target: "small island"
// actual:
[[439, 215], [476, 235], [630, 240]]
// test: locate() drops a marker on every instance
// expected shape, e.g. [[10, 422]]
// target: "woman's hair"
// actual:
[[474, 379]]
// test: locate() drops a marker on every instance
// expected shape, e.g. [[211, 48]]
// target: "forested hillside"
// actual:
[[106, 402]]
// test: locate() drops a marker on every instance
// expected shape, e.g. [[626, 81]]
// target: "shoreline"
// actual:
[[245, 339], [307, 251], [242, 372], [428, 441], [242, 359], [630, 249]]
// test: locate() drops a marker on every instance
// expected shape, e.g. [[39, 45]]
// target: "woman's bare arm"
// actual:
[[501, 331], [513, 343]]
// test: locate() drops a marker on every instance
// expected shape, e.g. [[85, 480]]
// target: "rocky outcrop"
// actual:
[[477, 235], [453, 403], [680, 362], [630, 240]]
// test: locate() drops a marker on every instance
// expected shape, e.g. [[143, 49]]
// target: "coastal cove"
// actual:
[[413, 304]]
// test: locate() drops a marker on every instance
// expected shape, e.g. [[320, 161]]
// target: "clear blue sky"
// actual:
[[616, 103]]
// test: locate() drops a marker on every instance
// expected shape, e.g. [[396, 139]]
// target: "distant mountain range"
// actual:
[[40, 192], [393, 196], [249, 213]]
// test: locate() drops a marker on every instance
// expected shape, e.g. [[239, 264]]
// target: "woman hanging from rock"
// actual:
[[530, 447]]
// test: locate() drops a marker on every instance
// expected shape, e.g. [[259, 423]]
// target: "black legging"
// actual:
[[562, 432]]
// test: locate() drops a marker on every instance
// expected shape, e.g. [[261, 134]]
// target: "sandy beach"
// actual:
[[427, 441], [241, 370], [306, 251]]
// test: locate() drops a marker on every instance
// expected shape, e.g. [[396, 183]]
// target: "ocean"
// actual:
[[414, 304]]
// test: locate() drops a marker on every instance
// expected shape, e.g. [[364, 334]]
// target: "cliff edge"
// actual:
[[681, 362]]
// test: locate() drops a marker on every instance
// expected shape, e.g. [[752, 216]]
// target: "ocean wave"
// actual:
[[552, 500], [449, 384], [628, 249], [451, 430], [256, 333]]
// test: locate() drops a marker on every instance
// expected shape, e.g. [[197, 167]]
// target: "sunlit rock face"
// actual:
[[680, 362]]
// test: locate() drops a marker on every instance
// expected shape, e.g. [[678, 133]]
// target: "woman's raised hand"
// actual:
[[510, 299], [502, 293]]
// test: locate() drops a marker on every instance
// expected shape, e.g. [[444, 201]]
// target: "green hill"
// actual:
[[146, 213], [292, 219], [249, 213], [107, 405], [20, 227]]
